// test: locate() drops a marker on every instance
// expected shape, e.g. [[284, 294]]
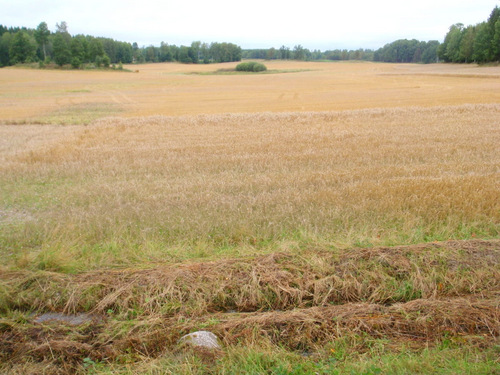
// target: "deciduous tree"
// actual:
[[467, 44], [42, 34], [22, 49], [62, 50], [481, 43], [5, 40]]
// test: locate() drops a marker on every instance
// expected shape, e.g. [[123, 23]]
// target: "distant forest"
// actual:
[[23, 45], [479, 43]]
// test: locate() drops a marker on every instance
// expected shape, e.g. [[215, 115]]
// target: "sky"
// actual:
[[314, 24]]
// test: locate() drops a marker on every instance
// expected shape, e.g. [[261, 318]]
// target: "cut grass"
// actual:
[[277, 281], [314, 310], [75, 114]]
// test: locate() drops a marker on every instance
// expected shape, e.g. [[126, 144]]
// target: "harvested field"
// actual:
[[325, 218], [34, 96], [124, 192]]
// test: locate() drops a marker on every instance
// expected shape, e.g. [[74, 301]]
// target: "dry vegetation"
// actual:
[[126, 191], [397, 297], [37, 96], [255, 224]]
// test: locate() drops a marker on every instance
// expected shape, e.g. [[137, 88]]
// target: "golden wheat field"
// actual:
[[203, 198], [171, 89]]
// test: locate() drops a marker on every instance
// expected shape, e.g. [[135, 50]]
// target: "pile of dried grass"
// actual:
[[298, 301], [421, 320], [281, 281]]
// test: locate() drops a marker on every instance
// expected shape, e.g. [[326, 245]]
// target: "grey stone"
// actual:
[[73, 320], [204, 339]]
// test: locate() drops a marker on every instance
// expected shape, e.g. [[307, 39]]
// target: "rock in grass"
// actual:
[[204, 339], [72, 320]]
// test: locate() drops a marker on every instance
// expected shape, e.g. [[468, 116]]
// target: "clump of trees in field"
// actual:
[[23, 45], [251, 66]]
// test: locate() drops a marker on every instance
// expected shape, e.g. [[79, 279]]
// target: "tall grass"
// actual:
[[129, 191]]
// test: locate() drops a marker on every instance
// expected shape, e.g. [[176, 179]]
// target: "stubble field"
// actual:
[[320, 218]]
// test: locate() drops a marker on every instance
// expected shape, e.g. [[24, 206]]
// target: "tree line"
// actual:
[[408, 51], [303, 54], [24, 45], [475, 43], [479, 43], [399, 51], [411, 51], [196, 53]]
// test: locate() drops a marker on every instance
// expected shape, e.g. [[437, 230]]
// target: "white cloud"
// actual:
[[258, 23]]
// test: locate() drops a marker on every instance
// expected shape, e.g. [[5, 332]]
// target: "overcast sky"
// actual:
[[315, 24]]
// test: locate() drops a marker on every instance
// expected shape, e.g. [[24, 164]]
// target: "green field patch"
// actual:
[[80, 114], [79, 91], [226, 72]]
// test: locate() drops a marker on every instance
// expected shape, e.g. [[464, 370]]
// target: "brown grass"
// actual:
[[182, 187], [167, 89], [253, 215], [414, 295], [419, 321], [15, 139], [417, 324], [278, 281]]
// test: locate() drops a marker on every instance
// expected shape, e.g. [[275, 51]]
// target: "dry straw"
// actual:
[[128, 191]]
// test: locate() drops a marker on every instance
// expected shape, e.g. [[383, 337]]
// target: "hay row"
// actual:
[[421, 322], [281, 281]]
